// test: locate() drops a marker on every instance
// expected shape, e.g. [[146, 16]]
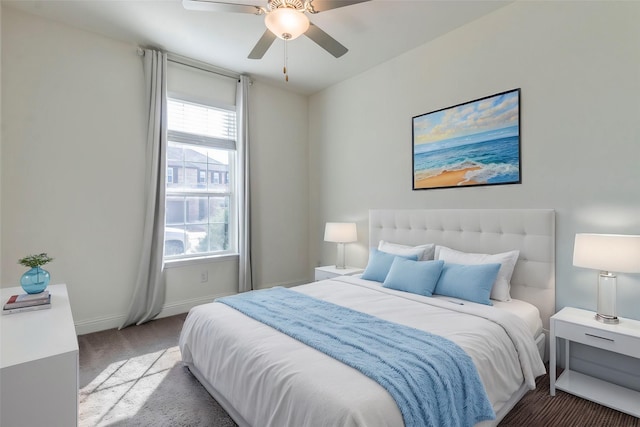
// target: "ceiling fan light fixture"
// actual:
[[287, 23]]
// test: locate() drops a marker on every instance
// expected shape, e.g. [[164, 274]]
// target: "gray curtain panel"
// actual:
[[149, 294], [245, 280]]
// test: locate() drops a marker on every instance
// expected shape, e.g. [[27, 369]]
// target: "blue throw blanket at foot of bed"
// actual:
[[433, 381]]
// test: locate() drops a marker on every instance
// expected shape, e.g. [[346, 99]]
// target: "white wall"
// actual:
[[578, 64], [279, 179], [73, 173], [0, 142]]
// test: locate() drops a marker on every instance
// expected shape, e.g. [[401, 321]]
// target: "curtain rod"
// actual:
[[178, 59]]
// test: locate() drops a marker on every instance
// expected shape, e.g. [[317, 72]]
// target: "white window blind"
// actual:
[[199, 124], [199, 86]]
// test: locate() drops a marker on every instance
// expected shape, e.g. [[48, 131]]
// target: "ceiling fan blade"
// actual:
[[325, 41], [322, 5], [215, 6], [263, 44]]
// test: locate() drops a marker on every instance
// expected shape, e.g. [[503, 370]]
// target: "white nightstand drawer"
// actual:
[[601, 338]]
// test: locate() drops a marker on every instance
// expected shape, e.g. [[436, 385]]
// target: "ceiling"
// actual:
[[374, 32]]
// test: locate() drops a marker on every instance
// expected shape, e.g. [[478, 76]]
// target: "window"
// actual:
[[200, 213], [169, 175]]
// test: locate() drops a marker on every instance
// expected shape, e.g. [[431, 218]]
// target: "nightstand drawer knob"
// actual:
[[596, 336]]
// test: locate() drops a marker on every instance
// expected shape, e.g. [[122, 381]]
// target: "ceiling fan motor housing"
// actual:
[[298, 5]]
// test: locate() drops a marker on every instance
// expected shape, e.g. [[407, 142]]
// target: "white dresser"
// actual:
[[39, 364]]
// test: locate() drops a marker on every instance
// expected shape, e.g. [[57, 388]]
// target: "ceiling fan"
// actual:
[[285, 19]]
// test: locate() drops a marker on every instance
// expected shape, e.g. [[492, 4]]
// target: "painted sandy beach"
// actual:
[[447, 179]]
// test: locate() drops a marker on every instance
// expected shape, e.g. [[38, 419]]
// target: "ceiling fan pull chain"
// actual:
[[286, 58]]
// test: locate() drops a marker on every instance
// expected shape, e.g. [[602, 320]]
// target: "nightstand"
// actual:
[[573, 324], [330, 271]]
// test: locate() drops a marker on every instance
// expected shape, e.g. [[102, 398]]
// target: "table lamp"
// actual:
[[608, 253], [340, 233]]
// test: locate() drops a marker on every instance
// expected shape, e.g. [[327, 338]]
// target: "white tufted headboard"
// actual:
[[489, 231]]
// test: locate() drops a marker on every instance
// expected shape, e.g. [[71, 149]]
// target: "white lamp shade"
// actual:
[[607, 252], [287, 23], [340, 232]]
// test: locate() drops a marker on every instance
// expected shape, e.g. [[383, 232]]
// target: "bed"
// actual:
[[263, 377]]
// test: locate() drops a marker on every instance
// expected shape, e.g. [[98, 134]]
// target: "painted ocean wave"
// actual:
[[494, 161], [493, 174]]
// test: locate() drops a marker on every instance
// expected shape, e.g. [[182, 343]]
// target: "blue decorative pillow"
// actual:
[[380, 263], [469, 282], [417, 277]]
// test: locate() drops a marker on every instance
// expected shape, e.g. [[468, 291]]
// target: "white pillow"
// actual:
[[423, 252], [502, 285]]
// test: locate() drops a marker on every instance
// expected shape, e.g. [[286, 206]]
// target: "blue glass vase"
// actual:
[[35, 280]]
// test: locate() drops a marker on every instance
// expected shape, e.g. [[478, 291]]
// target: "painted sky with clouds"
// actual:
[[479, 116]]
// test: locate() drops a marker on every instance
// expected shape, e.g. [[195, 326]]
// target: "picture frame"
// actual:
[[475, 143]]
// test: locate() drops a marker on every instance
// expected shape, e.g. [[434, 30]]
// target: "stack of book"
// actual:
[[27, 302]]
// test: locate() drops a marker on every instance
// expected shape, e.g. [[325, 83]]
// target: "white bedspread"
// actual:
[[274, 380]]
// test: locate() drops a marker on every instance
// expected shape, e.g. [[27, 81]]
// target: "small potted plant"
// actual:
[[36, 279]]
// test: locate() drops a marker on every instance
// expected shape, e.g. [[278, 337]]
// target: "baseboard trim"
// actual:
[[99, 324], [184, 306], [171, 309]]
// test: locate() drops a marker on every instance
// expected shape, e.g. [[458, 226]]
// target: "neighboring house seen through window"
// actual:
[[200, 210]]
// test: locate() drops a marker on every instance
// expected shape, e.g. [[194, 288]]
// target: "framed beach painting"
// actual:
[[470, 144]]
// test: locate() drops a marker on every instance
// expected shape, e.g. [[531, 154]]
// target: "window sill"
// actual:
[[184, 262]]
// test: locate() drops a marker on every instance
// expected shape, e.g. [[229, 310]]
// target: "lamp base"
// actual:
[[607, 298], [340, 264], [609, 320]]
